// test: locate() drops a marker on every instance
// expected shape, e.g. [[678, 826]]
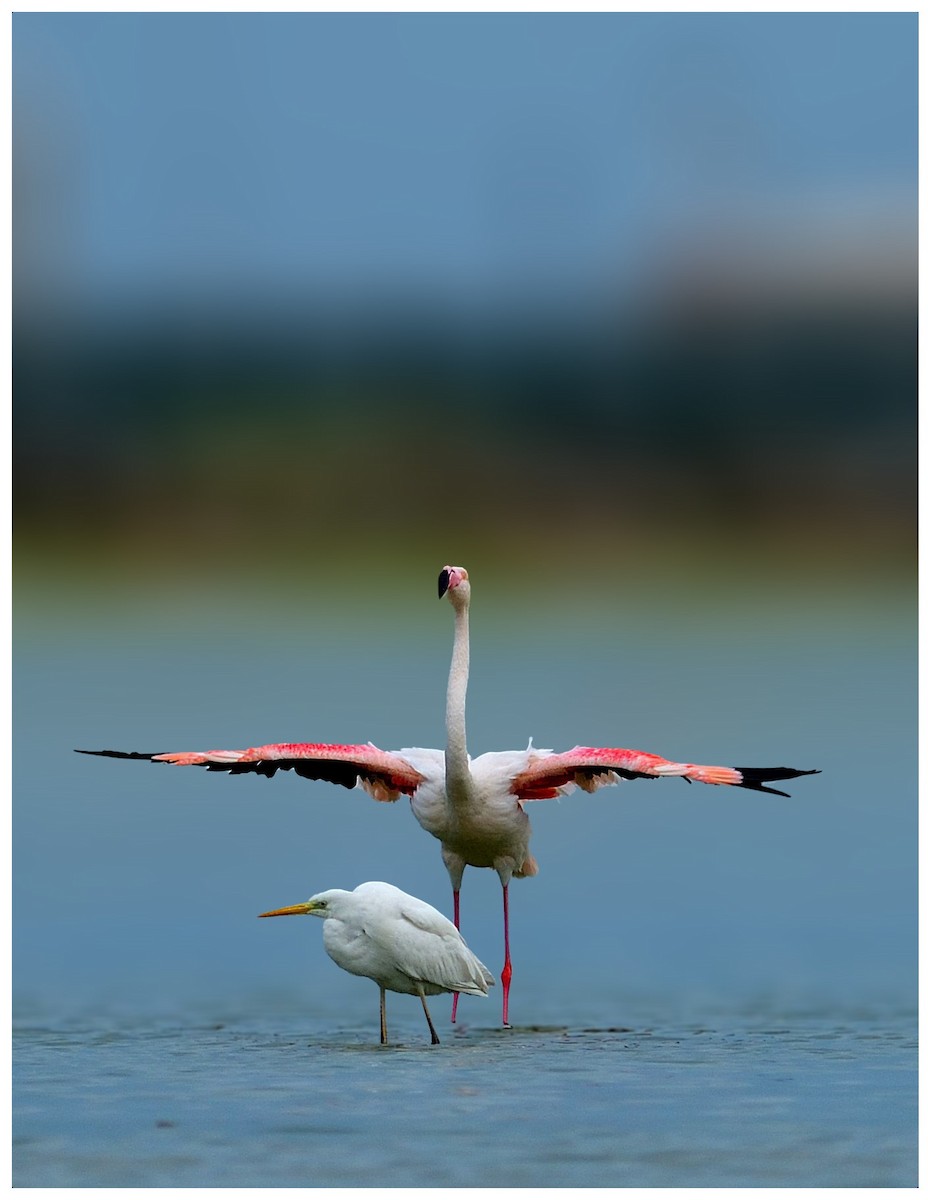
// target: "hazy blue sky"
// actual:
[[457, 153]]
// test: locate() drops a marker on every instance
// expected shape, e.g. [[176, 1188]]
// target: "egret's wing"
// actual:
[[590, 767], [425, 945], [384, 775]]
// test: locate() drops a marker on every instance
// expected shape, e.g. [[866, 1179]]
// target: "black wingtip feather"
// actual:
[[754, 778], [120, 753]]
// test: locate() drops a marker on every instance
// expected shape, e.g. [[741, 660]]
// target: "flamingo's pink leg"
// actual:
[[457, 925], [507, 966]]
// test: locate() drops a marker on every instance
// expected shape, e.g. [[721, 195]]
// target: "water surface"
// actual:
[[710, 987], [790, 1099]]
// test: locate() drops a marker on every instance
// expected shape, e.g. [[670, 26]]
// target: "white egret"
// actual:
[[475, 807], [399, 941]]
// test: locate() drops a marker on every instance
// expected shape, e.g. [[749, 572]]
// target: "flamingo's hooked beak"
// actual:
[[295, 910], [449, 578]]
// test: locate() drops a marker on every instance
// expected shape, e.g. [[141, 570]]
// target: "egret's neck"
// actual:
[[456, 769]]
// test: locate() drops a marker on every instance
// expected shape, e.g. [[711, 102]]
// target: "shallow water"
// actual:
[[762, 1099], [710, 987]]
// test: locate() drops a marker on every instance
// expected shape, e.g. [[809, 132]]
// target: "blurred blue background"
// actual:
[[616, 310]]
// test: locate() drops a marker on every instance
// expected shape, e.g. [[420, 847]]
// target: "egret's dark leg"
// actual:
[[383, 1016], [425, 1009], [506, 975], [457, 925]]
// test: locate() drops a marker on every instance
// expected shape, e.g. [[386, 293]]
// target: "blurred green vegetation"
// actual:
[[715, 439]]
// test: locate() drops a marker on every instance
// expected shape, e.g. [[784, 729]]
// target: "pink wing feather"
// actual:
[[590, 767], [384, 775]]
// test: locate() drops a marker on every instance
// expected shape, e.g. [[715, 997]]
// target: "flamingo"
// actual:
[[474, 807]]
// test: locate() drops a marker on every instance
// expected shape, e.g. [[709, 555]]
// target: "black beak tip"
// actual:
[[443, 580]]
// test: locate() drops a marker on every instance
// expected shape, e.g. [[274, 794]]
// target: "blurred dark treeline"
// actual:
[[789, 411]]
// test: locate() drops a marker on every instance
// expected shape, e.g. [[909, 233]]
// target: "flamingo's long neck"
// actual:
[[456, 768]]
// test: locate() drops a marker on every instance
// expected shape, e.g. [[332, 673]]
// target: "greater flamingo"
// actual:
[[475, 807]]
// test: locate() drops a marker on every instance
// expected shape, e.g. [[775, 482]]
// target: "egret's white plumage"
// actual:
[[399, 941]]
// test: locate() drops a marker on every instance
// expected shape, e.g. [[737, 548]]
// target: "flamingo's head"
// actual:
[[453, 581]]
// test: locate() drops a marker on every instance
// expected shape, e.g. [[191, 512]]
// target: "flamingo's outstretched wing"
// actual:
[[384, 775], [590, 767]]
